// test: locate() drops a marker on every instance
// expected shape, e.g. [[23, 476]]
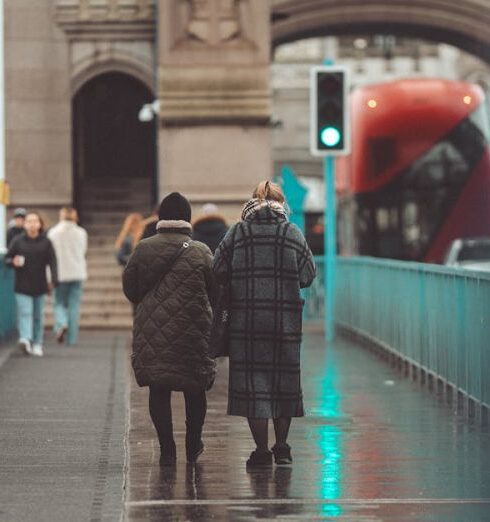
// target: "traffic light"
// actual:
[[329, 118]]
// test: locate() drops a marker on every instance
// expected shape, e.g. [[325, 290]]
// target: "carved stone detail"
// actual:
[[107, 19], [89, 59], [214, 93], [214, 61], [214, 23]]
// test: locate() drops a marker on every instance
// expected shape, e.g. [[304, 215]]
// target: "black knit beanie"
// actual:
[[175, 207]]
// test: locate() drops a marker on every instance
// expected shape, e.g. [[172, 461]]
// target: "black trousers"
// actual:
[[161, 415]]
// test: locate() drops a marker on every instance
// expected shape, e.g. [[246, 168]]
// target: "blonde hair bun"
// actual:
[[268, 190]]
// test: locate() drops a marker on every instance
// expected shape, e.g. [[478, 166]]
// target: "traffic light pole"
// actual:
[[330, 247], [329, 137]]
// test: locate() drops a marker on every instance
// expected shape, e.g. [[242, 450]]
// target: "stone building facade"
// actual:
[[209, 70], [78, 72], [207, 61]]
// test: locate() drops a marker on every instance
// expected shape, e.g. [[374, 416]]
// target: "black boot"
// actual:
[[282, 454], [194, 446], [168, 453]]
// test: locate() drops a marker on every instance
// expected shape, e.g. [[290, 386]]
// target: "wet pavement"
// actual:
[[373, 447], [62, 431]]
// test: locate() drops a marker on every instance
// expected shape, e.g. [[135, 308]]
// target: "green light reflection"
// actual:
[[329, 441]]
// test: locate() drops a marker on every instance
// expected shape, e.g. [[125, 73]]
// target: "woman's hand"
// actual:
[[18, 261]]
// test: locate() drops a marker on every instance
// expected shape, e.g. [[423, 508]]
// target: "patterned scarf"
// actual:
[[254, 205]]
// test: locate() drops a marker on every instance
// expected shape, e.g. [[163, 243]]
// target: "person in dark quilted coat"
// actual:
[[169, 279], [210, 227], [265, 260]]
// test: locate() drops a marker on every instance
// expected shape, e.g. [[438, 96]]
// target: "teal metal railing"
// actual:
[[314, 295], [435, 317], [7, 301]]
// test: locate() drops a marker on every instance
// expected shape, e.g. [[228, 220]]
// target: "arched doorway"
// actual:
[[114, 166], [113, 152]]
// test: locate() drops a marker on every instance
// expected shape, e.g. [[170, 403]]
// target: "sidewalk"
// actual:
[[62, 426], [373, 447]]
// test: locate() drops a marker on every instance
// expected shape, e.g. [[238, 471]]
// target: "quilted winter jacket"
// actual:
[[173, 315]]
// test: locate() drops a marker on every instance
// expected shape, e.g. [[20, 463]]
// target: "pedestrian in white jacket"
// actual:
[[70, 244]]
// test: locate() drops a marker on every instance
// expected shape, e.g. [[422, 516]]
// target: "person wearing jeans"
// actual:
[[70, 244], [30, 254], [67, 297], [30, 318]]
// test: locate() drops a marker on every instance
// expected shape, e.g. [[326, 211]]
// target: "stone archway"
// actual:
[[114, 165], [86, 71], [112, 150], [463, 24]]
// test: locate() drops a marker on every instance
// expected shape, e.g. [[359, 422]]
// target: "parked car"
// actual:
[[469, 253]]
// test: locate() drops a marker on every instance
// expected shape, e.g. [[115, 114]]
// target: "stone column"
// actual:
[[215, 101], [37, 102]]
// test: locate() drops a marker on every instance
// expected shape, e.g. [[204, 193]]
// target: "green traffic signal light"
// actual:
[[330, 136], [329, 112]]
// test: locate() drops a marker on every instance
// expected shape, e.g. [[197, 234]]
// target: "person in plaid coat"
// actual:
[[265, 260]]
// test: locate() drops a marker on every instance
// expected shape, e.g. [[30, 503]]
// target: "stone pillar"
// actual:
[[215, 101], [37, 99]]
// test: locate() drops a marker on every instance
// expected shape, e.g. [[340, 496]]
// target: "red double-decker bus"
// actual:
[[419, 173]]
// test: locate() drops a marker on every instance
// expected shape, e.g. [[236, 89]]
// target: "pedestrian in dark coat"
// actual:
[[265, 260], [210, 227], [17, 226], [169, 278], [30, 254]]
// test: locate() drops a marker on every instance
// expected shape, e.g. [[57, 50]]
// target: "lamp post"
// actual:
[[148, 113]]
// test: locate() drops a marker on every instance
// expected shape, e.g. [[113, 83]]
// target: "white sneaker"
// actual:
[[25, 346], [37, 350]]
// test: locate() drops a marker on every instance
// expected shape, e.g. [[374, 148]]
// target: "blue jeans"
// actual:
[[67, 298], [30, 317]]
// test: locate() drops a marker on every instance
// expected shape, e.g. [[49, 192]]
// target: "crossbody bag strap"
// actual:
[[182, 249]]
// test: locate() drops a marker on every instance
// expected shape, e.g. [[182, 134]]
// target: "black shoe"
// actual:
[[193, 442], [282, 454], [60, 334], [259, 458], [193, 453]]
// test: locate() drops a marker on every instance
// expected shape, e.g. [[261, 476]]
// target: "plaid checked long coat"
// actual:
[[267, 261]]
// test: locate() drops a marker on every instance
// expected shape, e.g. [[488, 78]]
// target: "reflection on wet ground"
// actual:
[[373, 447]]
